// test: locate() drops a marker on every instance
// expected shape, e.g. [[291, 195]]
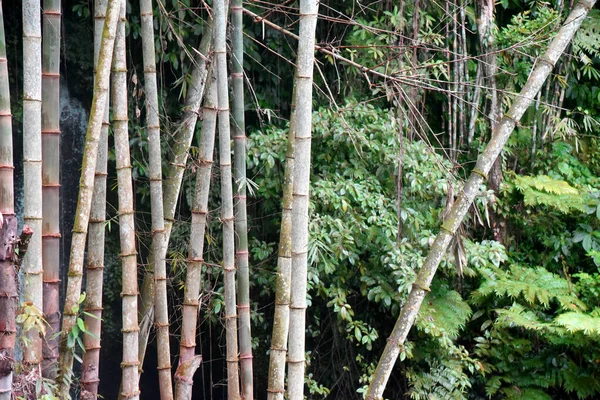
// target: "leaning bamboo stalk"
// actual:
[[90, 377], [188, 361], [500, 135], [129, 294], [281, 318], [182, 140], [227, 218], [32, 170], [8, 278], [51, 182], [303, 101], [159, 248], [84, 200], [238, 129]]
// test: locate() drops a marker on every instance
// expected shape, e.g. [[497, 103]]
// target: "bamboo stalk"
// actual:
[[90, 378], [129, 382], [51, 236], [188, 361], [303, 101], [84, 200], [8, 278], [32, 170], [182, 140], [227, 217], [159, 247], [238, 129], [500, 135], [281, 319]]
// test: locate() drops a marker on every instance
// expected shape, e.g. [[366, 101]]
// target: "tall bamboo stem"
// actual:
[[130, 386], [238, 129], [51, 182], [8, 278], [182, 140], [84, 200], [227, 218], [500, 135], [159, 247], [188, 362], [281, 319], [32, 169], [303, 101], [95, 262]]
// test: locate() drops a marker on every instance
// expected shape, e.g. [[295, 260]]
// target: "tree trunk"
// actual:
[[303, 102], [159, 247], [238, 129], [95, 263], [32, 170], [193, 282], [281, 319], [8, 232], [51, 182], [129, 386], [227, 218], [500, 135], [84, 200]]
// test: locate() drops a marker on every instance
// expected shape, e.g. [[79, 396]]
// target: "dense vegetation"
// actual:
[[514, 310]]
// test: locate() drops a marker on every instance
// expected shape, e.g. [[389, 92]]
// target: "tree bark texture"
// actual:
[[227, 217], [90, 378], [51, 236], [32, 170], [84, 200], [303, 102], [500, 135]]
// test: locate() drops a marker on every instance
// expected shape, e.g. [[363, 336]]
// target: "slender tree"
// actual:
[[84, 200], [32, 169], [129, 294], [227, 218], [8, 230], [454, 217], [95, 260], [241, 220], [156, 197], [281, 319], [188, 361], [51, 182], [303, 101]]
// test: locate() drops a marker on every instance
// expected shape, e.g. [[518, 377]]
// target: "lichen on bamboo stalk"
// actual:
[[455, 216], [84, 199]]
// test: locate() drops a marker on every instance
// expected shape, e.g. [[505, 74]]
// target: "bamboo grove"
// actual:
[[324, 200]]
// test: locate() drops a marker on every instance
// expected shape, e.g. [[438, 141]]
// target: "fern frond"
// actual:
[[518, 316], [534, 285], [443, 311], [579, 322], [587, 39], [541, 190]]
